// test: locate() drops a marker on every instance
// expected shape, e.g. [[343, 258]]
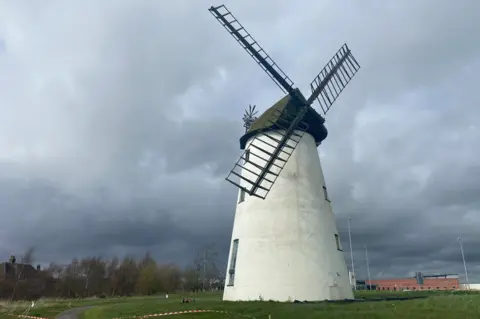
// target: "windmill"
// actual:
[[290, 244]]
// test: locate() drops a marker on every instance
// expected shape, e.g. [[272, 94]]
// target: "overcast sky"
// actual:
[[119, 121]]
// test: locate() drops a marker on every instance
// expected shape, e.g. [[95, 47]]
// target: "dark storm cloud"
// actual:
[[60, 224], [425, 190], [121, 119]]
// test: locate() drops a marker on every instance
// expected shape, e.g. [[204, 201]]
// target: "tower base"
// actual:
[[286, 247]]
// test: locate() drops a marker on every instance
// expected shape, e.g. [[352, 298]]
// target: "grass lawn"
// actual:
[[49, 308], [436, 305]]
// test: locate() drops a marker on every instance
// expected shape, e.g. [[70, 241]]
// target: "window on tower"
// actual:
[[242, 196], [247, 155], [325, 194], [233, 262], [337, 241]]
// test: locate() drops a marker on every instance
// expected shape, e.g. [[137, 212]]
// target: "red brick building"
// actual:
[[427, 282]]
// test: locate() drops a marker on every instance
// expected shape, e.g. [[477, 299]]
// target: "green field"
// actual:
[[435, 305]]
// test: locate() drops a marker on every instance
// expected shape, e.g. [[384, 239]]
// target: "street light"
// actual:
[[368, 268], [351, 255], [464, 263]]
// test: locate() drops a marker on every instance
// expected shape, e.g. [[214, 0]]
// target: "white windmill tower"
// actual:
[[285, 246]]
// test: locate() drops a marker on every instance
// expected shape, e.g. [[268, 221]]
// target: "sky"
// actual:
[[121, 119]]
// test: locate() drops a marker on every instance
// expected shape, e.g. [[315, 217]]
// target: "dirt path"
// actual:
[[72, 313]]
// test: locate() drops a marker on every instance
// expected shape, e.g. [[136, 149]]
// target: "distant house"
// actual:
[[15, 271], [21, 281], [12, 270]]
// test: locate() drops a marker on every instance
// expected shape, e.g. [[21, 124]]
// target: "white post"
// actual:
[[464, 263], [368, 268], [351, 255]]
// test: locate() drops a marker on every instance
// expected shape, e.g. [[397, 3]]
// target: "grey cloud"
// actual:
[[120, 120]]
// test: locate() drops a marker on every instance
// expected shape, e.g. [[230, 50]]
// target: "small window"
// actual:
[[325, 194], [241, 198], [337, 241], [247, 155], [233, 262]]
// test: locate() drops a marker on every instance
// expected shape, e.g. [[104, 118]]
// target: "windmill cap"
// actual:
[[268, 120]]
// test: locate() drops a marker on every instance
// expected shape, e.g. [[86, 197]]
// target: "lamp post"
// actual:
[[368, 268], [464, 263], [351, 255]]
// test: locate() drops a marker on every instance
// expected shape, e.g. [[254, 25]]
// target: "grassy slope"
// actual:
[[437, 305]]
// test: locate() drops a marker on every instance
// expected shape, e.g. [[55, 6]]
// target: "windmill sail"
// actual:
[[240, 34], [266, 155], [275, 142], [333, 78]]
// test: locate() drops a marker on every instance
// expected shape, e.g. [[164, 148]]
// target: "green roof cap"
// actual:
[[269, 118]]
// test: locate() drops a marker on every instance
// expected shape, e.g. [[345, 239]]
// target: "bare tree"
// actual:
[[149, 281], [95, 276], [127, 276], [146, 261], [204, 262], [190, 279], [112, 275], [73, 278], [28, 257], [170, 276], [93, 270]]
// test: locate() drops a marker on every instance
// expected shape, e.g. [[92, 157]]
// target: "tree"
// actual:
[[190, 279], [28, 257], [127, 276], [72, 277], [112, 275], [94, 274], [171, 277], [205, 266], [146, 261], [149, 280]]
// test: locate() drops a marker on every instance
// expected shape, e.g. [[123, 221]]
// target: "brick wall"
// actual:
[[411, 284]]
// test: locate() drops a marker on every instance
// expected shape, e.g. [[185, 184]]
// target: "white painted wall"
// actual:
[[287, 248]]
